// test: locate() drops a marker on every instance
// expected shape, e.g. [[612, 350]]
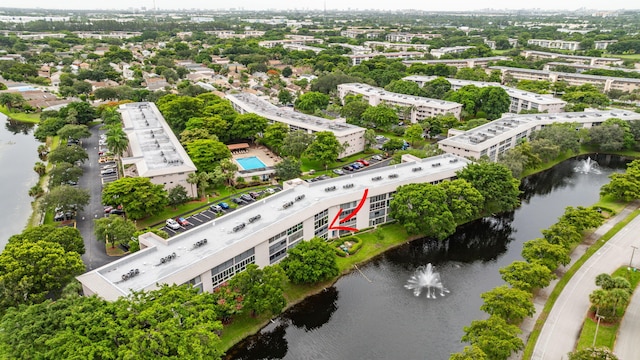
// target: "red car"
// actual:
[[182, 221], [363, 162]]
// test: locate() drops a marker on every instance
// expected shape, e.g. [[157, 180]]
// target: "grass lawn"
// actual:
[[635, 57], [607, 202], [606, 334], [20, 116], [308, 164], [113, 251]]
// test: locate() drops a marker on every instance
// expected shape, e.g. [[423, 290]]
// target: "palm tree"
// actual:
[[117, 141], [618, 297], [40, 168], [228, 168], [192, 179], [600, 299], [203, 180], [43, 150]]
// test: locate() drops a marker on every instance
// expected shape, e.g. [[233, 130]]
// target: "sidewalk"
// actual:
[[571, 329]]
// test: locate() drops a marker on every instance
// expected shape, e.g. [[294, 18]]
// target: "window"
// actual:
[[196, 282]]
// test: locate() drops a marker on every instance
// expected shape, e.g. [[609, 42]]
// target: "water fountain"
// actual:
[[587, 166], [426, 278]]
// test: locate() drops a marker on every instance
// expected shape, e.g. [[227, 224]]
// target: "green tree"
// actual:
[[83, 112], [178, 110], [287, 72], [562, 134], [470, 353], [69, 154], [296, 143], [11, 101], [138, 196], [74, 132], [494, 336], [624, 186], [40, 168], [549, 255], [436, 88], [369, 138], [494, 101], [404, 87], [495, 183], [463, 200], [247, 126], [206, 153], [414, 133], [288, 168], [310, 262], [117, 140], [544, 149], [285, 97], [325, 148], [65, 198], [177, 196], [512, 304], [422, 209], [29, 271], [354, 107], [48, 127], [228, 169], [582, 218], [62, 173], [527, 275], [68, 237], [114, 230], [262, 289], [380, 116], [312, 101], [593, 353], [274, 136]]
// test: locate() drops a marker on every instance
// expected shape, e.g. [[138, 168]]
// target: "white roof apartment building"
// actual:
[[500, 135], [459, 63], [261, 233], [396, 46], [303, 48], [555, 44], [345, 133], [606, 83], [591, 60], [421, 107], [520, 99], [292, 40], [357, 59], [437, 53], [154, 151], [407, 37]]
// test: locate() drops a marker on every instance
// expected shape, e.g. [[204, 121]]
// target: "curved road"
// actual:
[[562, 328]]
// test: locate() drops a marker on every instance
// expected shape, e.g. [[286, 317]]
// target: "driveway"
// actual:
[[95, 254], [562, 328]]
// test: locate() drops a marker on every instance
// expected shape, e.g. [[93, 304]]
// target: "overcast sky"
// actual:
[[434, 5]]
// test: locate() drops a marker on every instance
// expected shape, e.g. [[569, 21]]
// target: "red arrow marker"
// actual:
[[355, 211]]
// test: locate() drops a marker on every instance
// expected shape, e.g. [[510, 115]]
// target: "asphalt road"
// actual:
[[562, 328], [95, 254], [626, 347]]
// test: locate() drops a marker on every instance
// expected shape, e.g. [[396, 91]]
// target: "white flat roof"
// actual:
[[365, 89], [253, 104], [154, 148], [220, 235]]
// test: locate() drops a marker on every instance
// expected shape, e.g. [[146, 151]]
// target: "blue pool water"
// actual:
[[250, 163]]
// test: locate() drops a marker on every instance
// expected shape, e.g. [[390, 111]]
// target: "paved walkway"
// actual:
[[562, 327]]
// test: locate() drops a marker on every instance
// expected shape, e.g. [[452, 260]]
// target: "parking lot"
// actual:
[[218, 209]]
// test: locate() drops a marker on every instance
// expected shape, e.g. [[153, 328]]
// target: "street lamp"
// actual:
[[632, 252], [597, 326]]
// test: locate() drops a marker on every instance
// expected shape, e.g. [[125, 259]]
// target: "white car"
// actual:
[[110, 171], [172, 224], [109, 166]]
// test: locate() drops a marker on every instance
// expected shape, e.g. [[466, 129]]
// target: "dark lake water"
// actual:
[[18, 154], [358, 319]]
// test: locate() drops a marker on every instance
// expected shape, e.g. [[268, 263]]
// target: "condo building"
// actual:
[[357, 59], [500, 135], [262, 232], [420, 107], [154, 151], [437, 53], [555, 44], [520, 99], [459, 63], [352, 135], [407, 37], [396, 46], [591, 60]]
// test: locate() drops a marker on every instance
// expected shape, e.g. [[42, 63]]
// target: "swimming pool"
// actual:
[[250, 163]]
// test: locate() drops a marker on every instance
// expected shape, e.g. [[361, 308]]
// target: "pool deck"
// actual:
[[261, 152]]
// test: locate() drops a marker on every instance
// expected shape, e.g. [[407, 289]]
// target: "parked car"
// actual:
[[72, 183], [338, 171], [223, 205], [109, 166], [182, 221], [363, 162], [238, 201], [254, 194], [246, 197], [356, 165], [107, 209], [215, 208], [172, 224], [348, 167], [270, 191], [376, 157], [116, 212], [110, 171]]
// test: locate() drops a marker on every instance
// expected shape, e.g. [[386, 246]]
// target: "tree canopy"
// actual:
[[310, 262], [137, 195], [496, 184]]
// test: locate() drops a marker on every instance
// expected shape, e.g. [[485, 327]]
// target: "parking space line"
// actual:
[[202, 213], [195, 218]]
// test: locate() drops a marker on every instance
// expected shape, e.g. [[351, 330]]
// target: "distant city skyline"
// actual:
[[464, 5]]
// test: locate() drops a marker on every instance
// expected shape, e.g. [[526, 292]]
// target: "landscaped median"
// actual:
[[542, 317]]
